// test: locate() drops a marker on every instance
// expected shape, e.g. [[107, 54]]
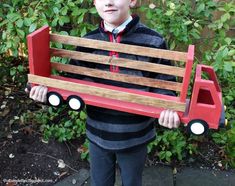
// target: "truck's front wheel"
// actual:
[[197, 127]]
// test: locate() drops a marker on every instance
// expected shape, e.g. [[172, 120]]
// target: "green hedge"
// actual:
[[180, 22]]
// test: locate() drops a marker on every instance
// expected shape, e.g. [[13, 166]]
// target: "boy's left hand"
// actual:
[[169, 119]]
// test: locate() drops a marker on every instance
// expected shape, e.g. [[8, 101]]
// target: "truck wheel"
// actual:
[[75, 103], [54, 99], [197, 127]]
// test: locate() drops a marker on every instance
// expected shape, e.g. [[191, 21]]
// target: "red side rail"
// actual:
[[188, 71], [39, 52]]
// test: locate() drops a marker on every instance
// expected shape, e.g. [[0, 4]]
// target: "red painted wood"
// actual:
[[39, 52], [205, 103], [139, 92], [188, 71], [112, 103]]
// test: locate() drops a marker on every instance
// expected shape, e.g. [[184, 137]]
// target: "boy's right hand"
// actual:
[[37, 93]]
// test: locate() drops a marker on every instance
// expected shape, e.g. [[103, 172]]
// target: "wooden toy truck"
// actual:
[[202, 111]]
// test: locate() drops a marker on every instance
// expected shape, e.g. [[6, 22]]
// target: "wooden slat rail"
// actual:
[[121, 62], [150, 82], [118, 47], [107, 93]]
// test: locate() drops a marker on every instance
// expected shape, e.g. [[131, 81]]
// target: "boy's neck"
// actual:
[[120, 27]]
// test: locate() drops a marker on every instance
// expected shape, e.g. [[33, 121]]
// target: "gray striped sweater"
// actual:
[[115, 130]]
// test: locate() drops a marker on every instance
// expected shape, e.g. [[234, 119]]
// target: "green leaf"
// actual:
[[83, 32], [71, 4], [231, 52], [54, 22], [188, 22], [65, 19], [172, 45], [59, 45], [225, 52], [64, 10], [196, 24], [3, 22], [20, 68], [19, 23], [201, 7], [83, 115], [32, 27], [27, 21], [228, 40], [21, 33], [64, 33], [228, 67], [55, 10], [225, 17], [93, 10], [12, 71], [80, 19], [169, 12], [75, 11], [13, 16], [4, 35], [68, 123]]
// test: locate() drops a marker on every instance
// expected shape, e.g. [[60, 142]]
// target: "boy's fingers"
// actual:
[[161, 118], [176, 120], [31, 93], [171, 119], [36, 93], [40, 94], [45, 95], [166, 119]]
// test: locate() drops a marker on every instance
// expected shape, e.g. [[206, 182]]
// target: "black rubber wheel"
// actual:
[[75, 103], [197, 127], [54, 99]]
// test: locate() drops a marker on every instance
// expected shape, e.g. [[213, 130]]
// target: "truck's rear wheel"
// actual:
[[54, 99], [75, 103], [197, 127]]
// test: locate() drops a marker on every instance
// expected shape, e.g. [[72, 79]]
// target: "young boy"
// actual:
[[117, 136]]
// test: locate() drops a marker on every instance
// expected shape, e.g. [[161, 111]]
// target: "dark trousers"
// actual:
[[103, 166]]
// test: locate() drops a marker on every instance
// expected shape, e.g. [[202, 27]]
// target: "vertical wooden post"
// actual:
[[39, 52], [188, 71]]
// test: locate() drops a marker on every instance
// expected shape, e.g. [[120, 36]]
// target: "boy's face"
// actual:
[[114, 12]]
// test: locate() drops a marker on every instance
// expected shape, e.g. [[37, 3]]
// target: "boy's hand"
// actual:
[[37, 93], [169, 119]]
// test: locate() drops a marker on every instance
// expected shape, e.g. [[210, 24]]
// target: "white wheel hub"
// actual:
[[197, 128], [54, 100], [74, 104]]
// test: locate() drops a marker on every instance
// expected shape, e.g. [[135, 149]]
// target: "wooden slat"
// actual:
[[118, 47], [150, 82], [107, 93], [121, 62]]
